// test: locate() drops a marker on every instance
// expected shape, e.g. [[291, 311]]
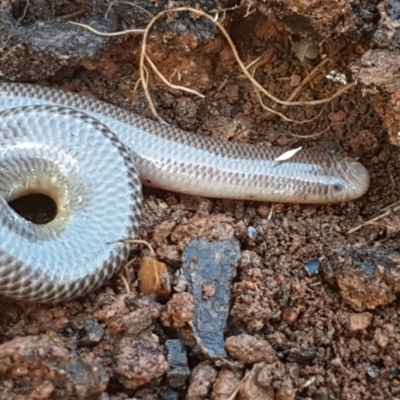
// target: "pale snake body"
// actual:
[[88, 156]]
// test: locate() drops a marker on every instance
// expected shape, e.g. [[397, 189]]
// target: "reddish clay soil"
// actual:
[[313, 309]]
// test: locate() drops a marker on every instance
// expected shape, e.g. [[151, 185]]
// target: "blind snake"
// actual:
[[90, 157]]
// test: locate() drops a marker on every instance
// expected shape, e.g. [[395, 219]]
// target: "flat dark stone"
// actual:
[[179, 370], [209, 268]]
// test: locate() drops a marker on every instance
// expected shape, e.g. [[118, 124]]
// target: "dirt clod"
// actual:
[[139, 360], [43, 366], [249, 349], [265, 382], [226, 384], [179, 311], [359, 322], [203, 377], [128, 314]]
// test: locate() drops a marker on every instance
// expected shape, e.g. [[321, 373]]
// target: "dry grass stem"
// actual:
[[283, 116], [165, 80], [385, 212]]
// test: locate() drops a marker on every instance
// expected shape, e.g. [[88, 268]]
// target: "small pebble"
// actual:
[[313, 267], [154, 278], [252, 232], [169, 394], [94, 331], [336, 76], [396, 390], [302, 355], [393, 372], [358, 321], [367, 267], [373, 372]]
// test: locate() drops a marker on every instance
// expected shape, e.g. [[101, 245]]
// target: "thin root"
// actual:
[[283, 116], [165, 80], [136, 241], [257, 86], [312, 74], [385, 212], [99, 33], [125, 282]]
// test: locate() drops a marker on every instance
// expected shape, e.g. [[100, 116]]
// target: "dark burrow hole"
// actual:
[[37, 208]]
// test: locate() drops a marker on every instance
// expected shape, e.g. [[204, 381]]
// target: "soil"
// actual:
[[313, 309]]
